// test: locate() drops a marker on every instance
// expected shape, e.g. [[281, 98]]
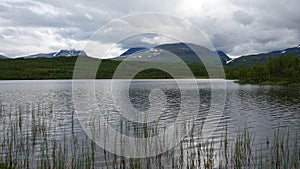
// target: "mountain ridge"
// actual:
[[247, 60], [69, 53], [180, 49]]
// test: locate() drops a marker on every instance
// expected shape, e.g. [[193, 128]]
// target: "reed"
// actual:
[[30, 138]]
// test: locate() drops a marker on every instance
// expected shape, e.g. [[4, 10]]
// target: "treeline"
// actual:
[[63, 68], [37, 68], [283, 70]]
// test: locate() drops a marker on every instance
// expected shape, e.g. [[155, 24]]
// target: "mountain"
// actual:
[[248, 60], [224, 58], [182, 50], [69, 53], [3, 57], [133, 50], [39, 55]]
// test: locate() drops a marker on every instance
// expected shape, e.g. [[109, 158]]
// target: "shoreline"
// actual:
[[265, 83]]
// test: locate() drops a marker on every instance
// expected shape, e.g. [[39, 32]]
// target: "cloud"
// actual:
[[148, 40], [103, 51], [88, 16], [237, 27], [243, 17], [156, 40], [28, 40]]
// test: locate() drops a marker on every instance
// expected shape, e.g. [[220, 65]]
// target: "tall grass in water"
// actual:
[[27, 141], [30, 139]]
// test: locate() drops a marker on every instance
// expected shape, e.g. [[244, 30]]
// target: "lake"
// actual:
[[260, 109]]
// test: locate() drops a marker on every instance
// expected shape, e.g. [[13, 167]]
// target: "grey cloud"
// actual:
[[235, 26], [243, 17]]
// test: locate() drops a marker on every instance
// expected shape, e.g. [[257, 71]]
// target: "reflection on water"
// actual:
[[263, 108]]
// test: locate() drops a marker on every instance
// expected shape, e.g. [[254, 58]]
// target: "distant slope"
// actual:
[[182, 50], [160, 53], [133, 50], [224, 58], [3, 57], [69, 53], [249, 60], [185, 52], [60, 53], [39, 55], [63, 68]]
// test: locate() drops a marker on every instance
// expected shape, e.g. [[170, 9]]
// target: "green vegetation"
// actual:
[[281, 70], [26, 141], [63, 67], [3, 166], [39, 68]]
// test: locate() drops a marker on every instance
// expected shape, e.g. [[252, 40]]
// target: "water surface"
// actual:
[[262, 108]]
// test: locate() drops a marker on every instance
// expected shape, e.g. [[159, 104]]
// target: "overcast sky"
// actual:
[[237, 27]]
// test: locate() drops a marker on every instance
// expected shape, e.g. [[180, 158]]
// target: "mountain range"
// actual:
[[163, 52], [60, 53], [185, 53], [248, 60], [3, 57], [181, 50]]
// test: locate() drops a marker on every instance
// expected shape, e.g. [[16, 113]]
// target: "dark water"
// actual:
[[262, 108]]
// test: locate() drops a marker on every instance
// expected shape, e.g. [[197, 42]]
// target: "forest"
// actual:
[[280, 70]]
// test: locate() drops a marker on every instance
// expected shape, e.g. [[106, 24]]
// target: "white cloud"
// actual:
[[30, 40], [235, 26], [115, 51], [157, 40], [46, 9], [88, 16], [103, 51]]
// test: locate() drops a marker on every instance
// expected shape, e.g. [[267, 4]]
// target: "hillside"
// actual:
[[277, 67], [63, 67], [162, 53], [249, 60], [283, 69]]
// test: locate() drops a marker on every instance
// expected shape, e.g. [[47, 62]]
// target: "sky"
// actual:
[[237, 27]]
